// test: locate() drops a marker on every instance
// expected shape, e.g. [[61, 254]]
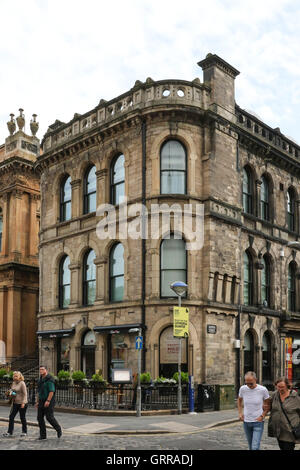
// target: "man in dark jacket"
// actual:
[[45, 403]]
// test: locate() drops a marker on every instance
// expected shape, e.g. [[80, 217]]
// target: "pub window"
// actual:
[[266, 281], [65, 199], [117, 176], [90, 190], [116, 266], [89, 278], [173, 264], [291, 214], [248, 279], [173, 168], [265, 199], [292, 286], [247, 191], [64, 282]]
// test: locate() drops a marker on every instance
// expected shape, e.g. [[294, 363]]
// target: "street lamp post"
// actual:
[[180, 289], [138, 390]]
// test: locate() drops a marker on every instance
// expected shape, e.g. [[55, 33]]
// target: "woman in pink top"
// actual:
[[19, 404]]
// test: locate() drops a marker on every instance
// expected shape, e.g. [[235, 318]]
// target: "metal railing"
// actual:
[[109, 397]]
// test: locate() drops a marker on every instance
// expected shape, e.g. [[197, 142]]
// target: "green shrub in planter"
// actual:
[[145, 378], [184, 377], [3, 372], [78, 376], [97, 378], [64, 375]]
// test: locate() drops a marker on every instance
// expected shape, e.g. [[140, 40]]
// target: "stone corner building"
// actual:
[[171, 142], [19, 227]]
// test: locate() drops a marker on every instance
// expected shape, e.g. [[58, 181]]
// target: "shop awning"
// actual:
[[116, 328], [56, 333]]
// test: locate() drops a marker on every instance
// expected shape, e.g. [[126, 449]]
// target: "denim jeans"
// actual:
[[254, 432]]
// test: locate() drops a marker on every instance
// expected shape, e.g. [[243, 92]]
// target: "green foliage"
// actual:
[[184, 377], [98, 378], [78, 375], [64, 375], [164, 381], [145, 378], [3, 372]]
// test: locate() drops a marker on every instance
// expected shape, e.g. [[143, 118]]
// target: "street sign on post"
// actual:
[[139, 342], [181, 322]]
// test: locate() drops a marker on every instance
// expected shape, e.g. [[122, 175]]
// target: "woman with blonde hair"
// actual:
[[19, 404]]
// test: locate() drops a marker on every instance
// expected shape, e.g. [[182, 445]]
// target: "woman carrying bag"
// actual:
[[284, 421], [19, 404]]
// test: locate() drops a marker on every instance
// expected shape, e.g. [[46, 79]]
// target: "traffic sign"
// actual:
[[139, 342]]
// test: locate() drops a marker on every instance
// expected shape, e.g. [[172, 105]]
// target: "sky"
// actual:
[[60, 57]]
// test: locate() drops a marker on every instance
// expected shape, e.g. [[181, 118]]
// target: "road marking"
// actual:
[[173, 426], [90, 428]]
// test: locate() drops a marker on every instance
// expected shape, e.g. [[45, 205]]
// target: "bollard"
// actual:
[[191, 395]]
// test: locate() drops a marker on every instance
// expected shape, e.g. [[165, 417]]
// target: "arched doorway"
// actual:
[[266, 358], [168, 353], [88, 348], [249, 364]]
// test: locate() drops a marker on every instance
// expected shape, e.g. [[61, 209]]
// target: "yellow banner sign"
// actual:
[[181, 322]]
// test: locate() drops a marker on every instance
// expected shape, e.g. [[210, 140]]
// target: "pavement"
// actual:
[[76, 423]]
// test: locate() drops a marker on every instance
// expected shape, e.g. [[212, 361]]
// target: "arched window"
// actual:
[[117, 273], [266, 281], [291, 213], [247, 191], [292, 286], [89, 278], [173, 168], [248, 279], [65, 199], [90, 190], [1, 228], [266, 359], [264, 199], [117, 176], [248, 352], [173, 264], [64, 282]]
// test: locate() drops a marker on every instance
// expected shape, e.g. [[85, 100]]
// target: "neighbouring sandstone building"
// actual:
[[19, 227], [184, 143]]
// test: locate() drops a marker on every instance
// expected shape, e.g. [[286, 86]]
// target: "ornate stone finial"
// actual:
[[34, 126], [11, 124], [21, 119]]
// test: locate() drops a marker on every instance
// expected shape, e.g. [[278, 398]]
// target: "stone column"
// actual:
[[219, 285], [76, 199], [33, 236], [5, 234], [155, 273], [282, 333], [3, 312], [102, 187], [16, 226], [76, 289], [258, 195], [13, 346], [101, 279]]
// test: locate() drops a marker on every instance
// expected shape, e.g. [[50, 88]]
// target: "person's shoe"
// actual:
[[59, 433], [41, 438], [23, 434], [7, 434]]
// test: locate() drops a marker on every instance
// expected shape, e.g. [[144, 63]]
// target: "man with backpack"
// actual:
[[45, 403]]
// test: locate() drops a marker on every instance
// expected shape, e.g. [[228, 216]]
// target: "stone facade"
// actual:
[[20, 216], [219, 139]]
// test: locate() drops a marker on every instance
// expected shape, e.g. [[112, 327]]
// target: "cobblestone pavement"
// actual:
[[230, 437]]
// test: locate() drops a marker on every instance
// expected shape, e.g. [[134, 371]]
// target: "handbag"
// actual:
[[11, 395], [295, 429]]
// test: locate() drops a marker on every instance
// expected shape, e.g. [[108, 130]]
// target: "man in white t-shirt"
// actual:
[[255, 399]]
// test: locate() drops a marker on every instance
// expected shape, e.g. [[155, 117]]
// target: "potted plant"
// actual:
[[8, 376], [146, 378], [64, 379], [3, 373], [98, 381], [184, 377], [164, 385], [79, 377]]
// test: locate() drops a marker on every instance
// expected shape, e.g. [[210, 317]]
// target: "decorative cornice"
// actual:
[[214, 60]]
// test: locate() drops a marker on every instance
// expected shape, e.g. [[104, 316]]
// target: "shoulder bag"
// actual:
[[295, 429]]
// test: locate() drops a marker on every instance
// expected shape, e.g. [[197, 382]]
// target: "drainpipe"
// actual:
[[144, 133]]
